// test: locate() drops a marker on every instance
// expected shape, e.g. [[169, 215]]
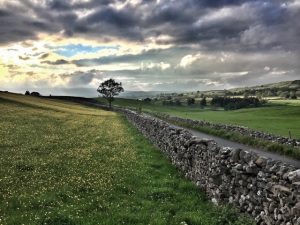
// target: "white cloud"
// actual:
[[188, 60], [241, 73], [244, 12], [295, 5], [151, 65]]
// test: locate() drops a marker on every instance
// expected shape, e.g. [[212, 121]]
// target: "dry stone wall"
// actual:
[[266, 189], [239, 129]]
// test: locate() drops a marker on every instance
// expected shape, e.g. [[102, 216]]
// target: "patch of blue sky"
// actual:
[[74, 49]]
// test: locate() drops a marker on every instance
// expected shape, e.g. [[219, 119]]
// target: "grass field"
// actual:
[[277, 117], [65, 164]]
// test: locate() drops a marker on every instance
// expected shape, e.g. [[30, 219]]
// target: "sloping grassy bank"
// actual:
[[65, 164]]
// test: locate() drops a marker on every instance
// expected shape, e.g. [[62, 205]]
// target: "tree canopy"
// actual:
[[109, 89]]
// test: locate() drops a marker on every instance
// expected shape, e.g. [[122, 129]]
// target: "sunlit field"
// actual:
[[66, 164], [277, 117]]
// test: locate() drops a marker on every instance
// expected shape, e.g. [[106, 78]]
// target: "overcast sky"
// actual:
[[70, 46]]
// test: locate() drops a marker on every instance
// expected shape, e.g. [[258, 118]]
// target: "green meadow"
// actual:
[[277, 116], [66, 164]]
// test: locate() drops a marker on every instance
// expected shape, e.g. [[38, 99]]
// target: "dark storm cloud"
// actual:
[[3, 13], [43, 55], [60, 5], [24, 57], [80, 78], [187, 22], [57, 62], [169, 13], [111, 16], [17, 24], [223, 24], [107, 22], [92, 4]]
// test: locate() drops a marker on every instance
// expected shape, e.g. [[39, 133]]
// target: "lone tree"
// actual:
[[109, 89]]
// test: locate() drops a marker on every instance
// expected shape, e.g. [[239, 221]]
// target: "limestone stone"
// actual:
[[261, 161], [294, 175]]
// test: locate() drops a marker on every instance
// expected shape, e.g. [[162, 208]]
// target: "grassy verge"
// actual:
[[234, 136], [64, 164]]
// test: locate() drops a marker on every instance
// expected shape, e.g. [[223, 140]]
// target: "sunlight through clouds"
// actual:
[[150, 42]]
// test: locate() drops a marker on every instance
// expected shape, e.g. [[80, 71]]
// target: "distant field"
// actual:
[[277, 117], [65, 164]]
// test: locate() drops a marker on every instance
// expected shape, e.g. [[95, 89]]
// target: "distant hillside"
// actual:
[[285, 89], [284, 85]]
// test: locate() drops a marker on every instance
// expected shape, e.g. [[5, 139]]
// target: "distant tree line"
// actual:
[[34, 93], [188, 101], [235, 103], [148, 100], [269, 92]]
